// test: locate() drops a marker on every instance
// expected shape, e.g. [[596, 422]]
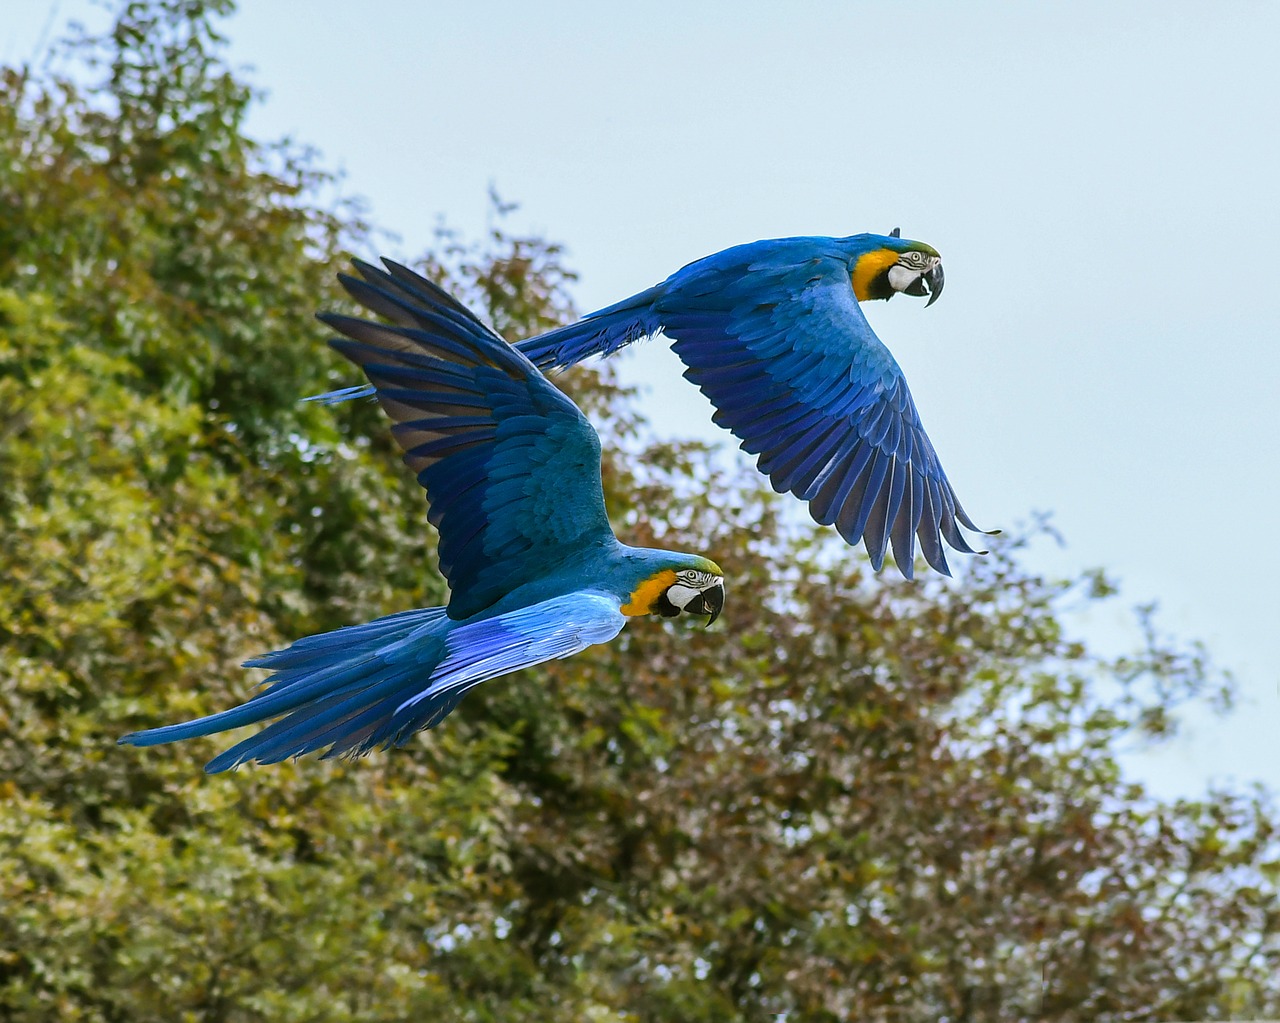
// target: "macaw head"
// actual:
[[889, 264], [688, 584]]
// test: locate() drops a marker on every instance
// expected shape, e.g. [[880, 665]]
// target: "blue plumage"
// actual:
[[772, 334], [512, 472]]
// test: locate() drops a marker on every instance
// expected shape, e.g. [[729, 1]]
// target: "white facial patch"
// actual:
[[681, 596], [901, 277]]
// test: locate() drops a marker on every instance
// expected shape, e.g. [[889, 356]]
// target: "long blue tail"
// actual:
[[350, 688], [600, 333]]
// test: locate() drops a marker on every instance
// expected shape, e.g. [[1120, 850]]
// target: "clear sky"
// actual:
[[1100, 178]]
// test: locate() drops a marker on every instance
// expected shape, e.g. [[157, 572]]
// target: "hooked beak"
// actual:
[[927, 283], [931, 281], [709, 602]]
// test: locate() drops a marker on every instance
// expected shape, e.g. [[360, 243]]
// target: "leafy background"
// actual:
[[858, 799]]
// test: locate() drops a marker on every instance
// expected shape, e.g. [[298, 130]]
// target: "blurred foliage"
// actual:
[[858, 798]]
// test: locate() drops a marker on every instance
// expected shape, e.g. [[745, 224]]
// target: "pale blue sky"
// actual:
[[1099, 177]]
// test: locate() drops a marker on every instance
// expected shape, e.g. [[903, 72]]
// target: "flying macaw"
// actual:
[[773, 335], [512, 473]]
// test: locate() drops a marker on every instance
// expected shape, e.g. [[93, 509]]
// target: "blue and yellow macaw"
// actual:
[[512, 474], [772, 333]]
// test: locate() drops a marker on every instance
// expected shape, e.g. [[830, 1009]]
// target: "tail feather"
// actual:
[[348, 722], [600, 333], [351, 689]]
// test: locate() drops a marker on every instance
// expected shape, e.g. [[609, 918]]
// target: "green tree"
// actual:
[[859, 798]]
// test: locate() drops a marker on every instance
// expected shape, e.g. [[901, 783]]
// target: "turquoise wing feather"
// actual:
[[510, 466]]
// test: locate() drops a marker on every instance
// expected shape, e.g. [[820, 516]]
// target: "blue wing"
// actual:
[[773, 335], [510, 466], [782, 349]]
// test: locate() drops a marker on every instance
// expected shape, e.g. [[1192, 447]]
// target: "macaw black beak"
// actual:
[[709, 602], [933, 282], [928, 283]]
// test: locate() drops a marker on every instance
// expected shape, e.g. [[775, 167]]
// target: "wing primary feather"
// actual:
[[403, 344], [383, 301], [929, 532], [948, 521], [875, 534], [902, 533], [834, 492], [897, 487], [808, 476], [794, 467], [852, 520], [420, 289]]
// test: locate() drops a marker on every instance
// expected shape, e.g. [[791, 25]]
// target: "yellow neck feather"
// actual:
[[648, 592], [868, 268]]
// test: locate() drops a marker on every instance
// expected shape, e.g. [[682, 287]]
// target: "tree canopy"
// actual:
[[856, 798]]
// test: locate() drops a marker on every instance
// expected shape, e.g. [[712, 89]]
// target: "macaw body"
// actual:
[[773, 335], [512, 473]]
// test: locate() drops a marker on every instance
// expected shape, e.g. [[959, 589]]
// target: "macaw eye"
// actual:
[[913, 258]]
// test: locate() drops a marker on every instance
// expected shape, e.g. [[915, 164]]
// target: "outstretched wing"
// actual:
[[510, 466], [778, 342]]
